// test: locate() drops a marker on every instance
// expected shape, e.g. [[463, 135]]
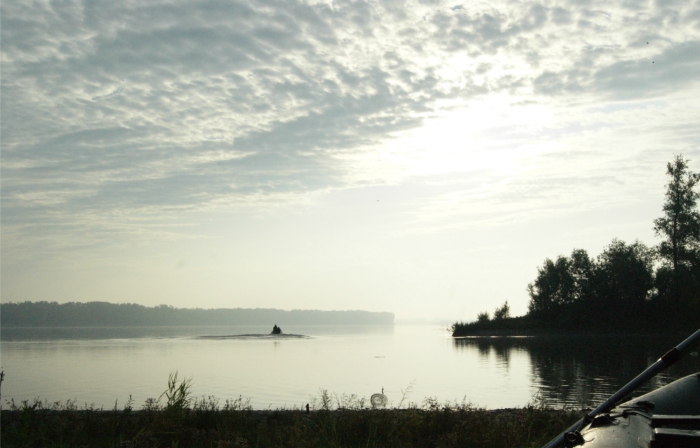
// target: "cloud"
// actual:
[[151, 109], [674, 69]]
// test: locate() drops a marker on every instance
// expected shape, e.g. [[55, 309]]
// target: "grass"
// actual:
[[332, 421]]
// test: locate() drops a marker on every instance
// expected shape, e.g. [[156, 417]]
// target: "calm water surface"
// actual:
[[101, 365]]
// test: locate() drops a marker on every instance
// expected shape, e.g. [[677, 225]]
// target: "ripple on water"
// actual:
[[274, 337]]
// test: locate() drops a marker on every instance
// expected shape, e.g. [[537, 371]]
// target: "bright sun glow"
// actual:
[[485, 134]]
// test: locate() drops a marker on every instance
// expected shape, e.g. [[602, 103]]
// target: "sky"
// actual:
[[418, 157]]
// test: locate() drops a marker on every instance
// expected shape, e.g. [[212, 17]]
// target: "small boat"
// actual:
[[666, 417]]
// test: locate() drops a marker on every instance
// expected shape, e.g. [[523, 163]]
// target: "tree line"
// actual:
[[100, 314], [630, 287]]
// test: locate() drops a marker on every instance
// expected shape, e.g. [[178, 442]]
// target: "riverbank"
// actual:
[[510, 326], [528, 326], [40, 424]]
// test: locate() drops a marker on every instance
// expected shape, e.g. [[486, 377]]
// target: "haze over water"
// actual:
[[101, 365]]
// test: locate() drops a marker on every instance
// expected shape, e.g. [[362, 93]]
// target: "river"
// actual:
[[410, 364]]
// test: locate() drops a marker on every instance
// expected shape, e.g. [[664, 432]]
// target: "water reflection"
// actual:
[[502, 348], [582, 371]]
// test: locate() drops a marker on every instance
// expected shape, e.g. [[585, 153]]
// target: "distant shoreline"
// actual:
[[103, 314]]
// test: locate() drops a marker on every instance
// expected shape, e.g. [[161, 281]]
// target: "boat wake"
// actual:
[[274, 337]]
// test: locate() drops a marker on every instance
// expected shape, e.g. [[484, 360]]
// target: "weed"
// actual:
[[151, 404], [325, 403], [178, 395], [207, 404], [404, 393], [2, 378], [538, 401], [239, 404]]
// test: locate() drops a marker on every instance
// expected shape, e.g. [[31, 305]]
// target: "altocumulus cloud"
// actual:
[[121, 114]]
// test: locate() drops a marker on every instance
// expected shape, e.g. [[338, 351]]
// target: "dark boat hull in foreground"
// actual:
[[666, 417]]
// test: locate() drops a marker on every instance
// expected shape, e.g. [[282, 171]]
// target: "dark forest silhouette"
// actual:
[[99, 314], [628, 287]]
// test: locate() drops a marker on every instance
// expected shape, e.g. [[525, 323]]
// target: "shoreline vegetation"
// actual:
[[628, 288], [329, 420], [103, 314], [62, 426], [525, 326]]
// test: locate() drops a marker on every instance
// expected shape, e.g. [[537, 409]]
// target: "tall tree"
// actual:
[[680, 225]]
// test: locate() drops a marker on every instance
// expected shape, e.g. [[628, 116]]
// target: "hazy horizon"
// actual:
[[399, 321], [416, 157]]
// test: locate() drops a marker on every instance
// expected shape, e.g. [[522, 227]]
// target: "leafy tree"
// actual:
[[483, 317], [622, 279], [679, 292], [502, 312], [581, 270], [551, 287], [680, 225], [560, 283]]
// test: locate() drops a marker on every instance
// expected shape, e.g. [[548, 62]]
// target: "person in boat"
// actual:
[[276, 330]]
